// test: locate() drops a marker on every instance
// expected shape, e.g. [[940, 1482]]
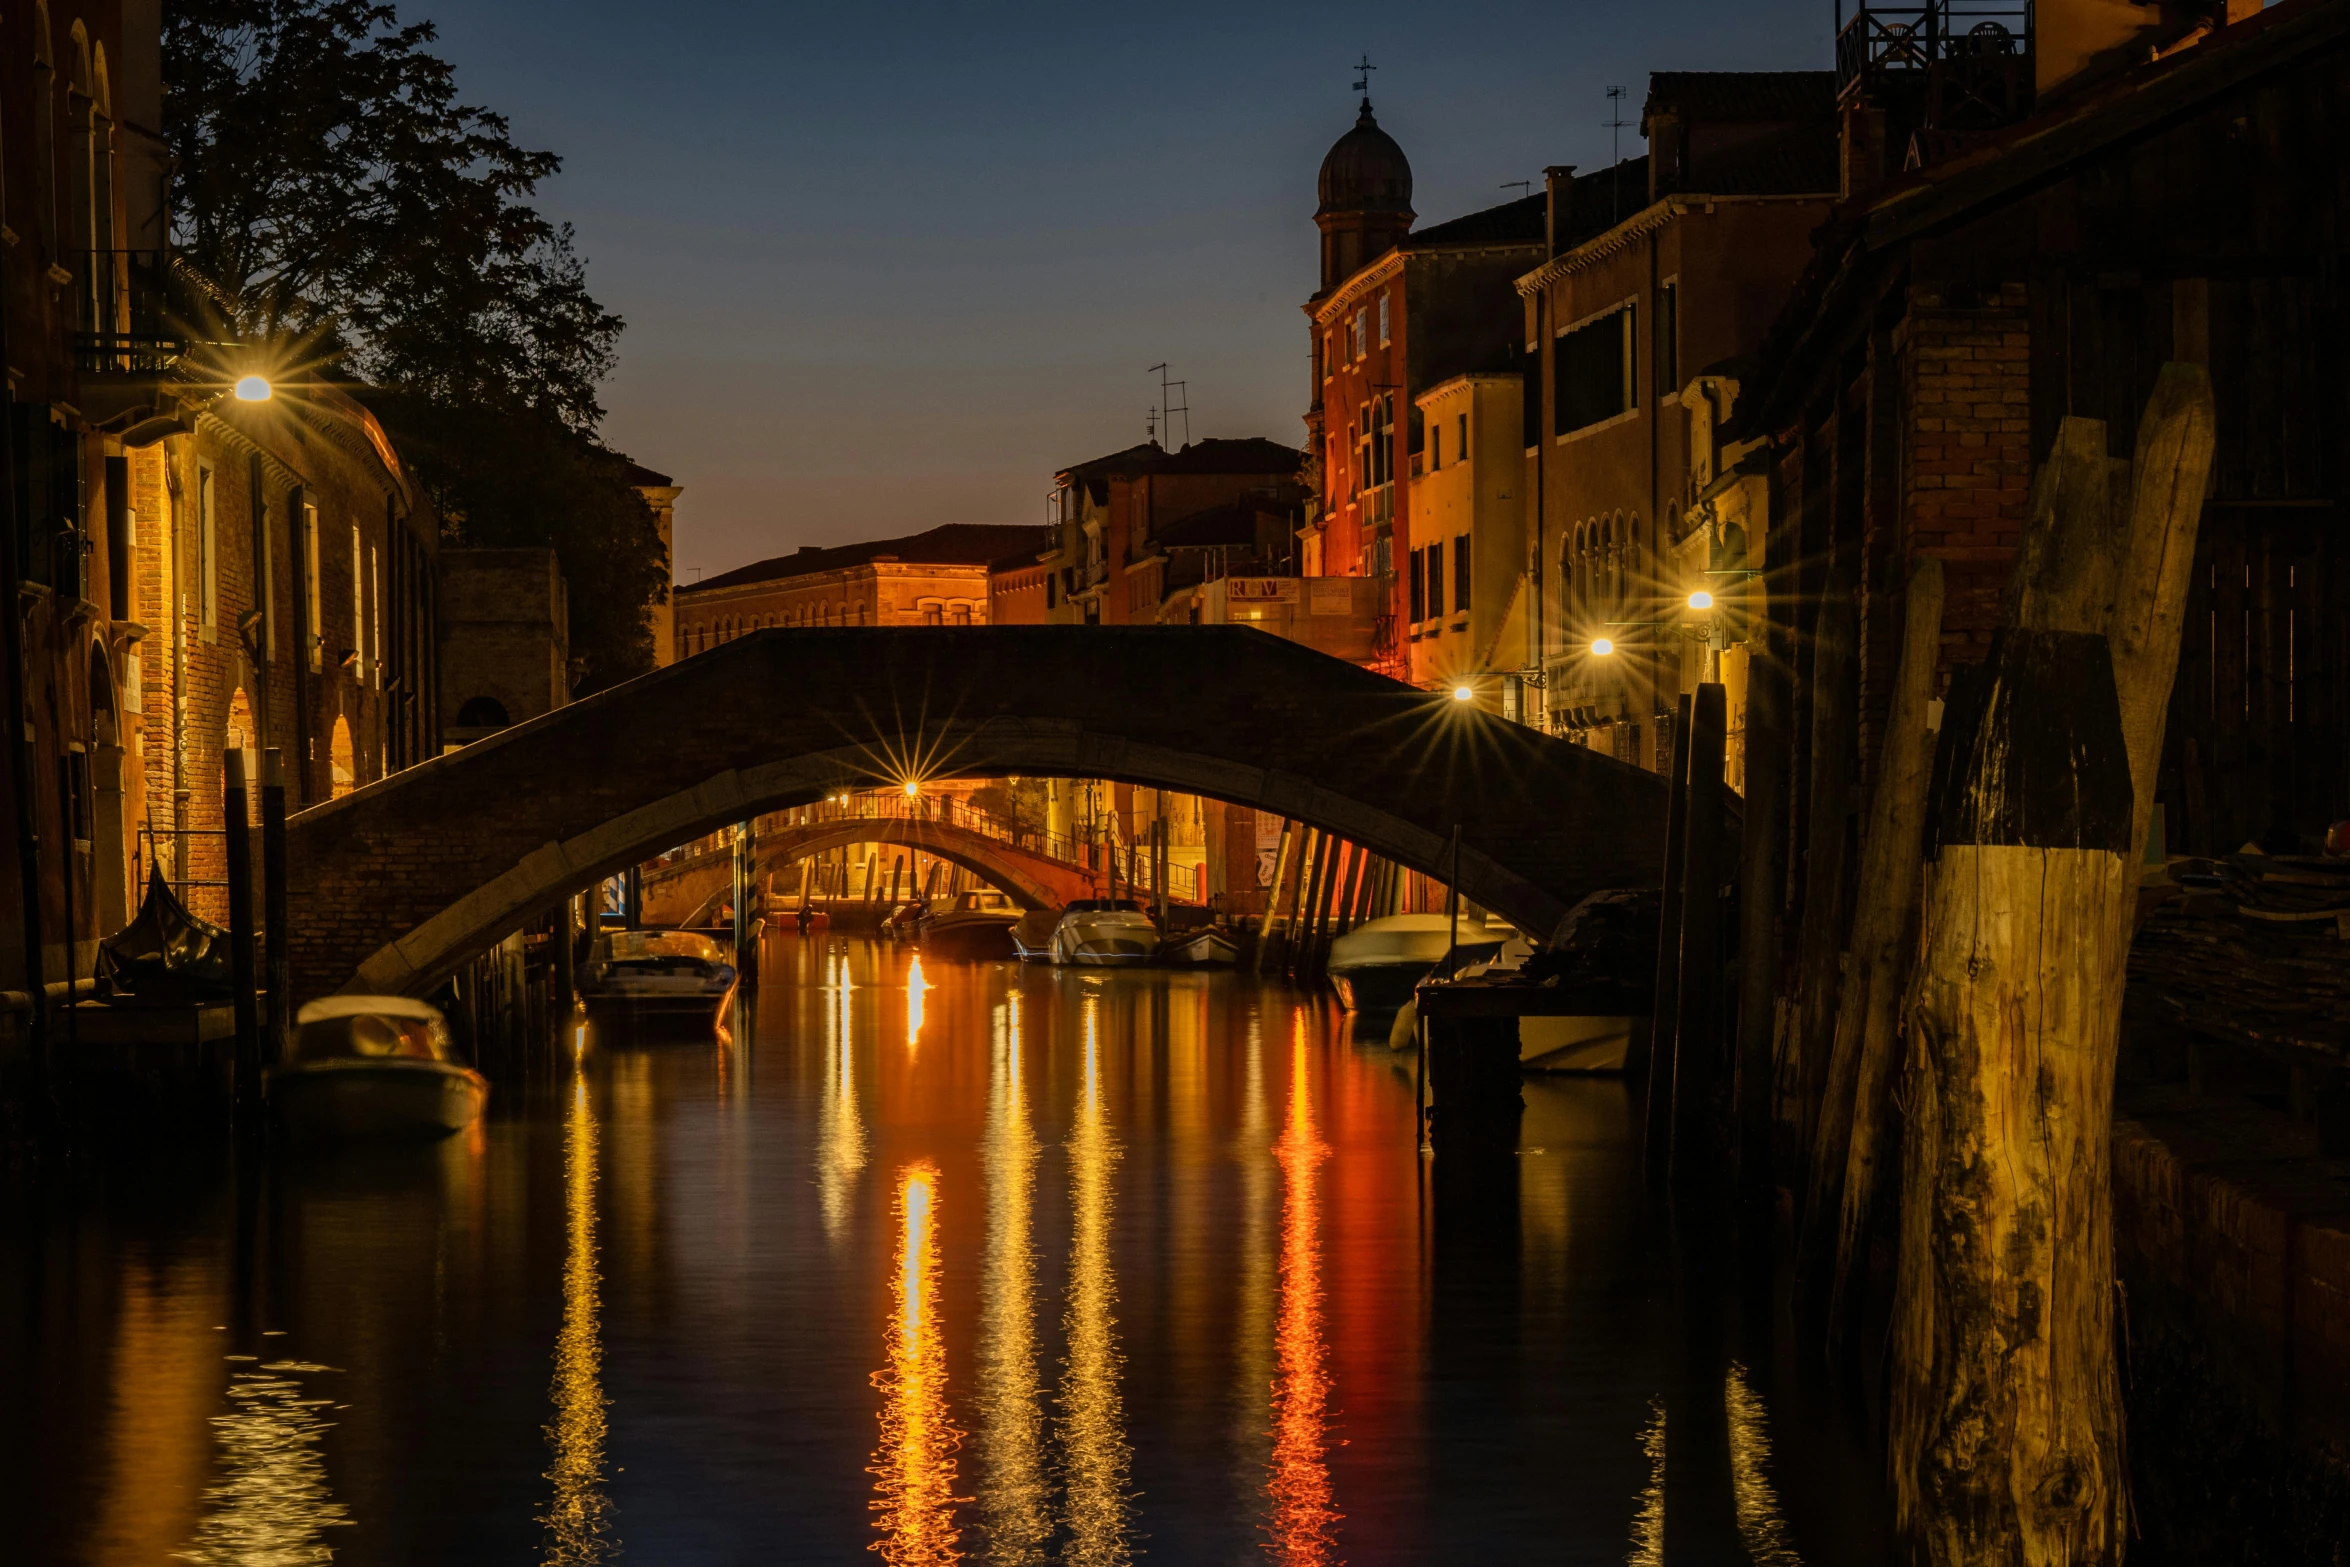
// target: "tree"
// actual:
[[335, 200]]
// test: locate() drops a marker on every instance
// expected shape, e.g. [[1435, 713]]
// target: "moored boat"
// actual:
[[977, 929], [373, 1068], [1206, 947], [1105, 932], [1032, 935], [659, 974], [1376, 966]]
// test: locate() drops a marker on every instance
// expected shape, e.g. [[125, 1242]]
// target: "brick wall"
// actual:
[[1966, 433]]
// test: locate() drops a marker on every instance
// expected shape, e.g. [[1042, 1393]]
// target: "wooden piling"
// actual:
[[1281, 856], [1657, 1116], [1834, 737], [1762, 896], [236, 806], [2004, 1400], [279, 968], [1847, 1156], [1697, 1026]]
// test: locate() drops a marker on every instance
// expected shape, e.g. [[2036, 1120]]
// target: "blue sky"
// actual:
[[889, 266]]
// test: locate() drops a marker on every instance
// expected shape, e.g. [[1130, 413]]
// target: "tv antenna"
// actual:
[[1363, 70], [1616, 122], [1169, 407], [1523, 187]]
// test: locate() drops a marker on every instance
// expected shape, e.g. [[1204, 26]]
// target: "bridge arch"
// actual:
[[395, 885], [1028, 879]]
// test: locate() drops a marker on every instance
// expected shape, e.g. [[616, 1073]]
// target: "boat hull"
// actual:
[[1378, 987], [966, 940], [376, 1100], [1207, 949]]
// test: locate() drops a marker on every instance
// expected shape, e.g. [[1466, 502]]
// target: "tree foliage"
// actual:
[[334, 198]]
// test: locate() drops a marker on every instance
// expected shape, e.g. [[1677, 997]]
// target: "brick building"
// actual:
[[937, 578], [505, 638], [1465, 617], [1397, 312]]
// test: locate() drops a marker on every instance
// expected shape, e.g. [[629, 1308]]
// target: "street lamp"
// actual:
[[1462, 693], [1701, 600], [1602, 646], [253, 389]]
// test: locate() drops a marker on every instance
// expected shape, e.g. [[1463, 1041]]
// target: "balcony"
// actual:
[[123, 323], [1973, 58]]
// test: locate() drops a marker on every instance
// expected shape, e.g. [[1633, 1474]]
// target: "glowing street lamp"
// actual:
[[912, 788], [1462, 693], [1602, 646], [1701, 600], [253, 389]]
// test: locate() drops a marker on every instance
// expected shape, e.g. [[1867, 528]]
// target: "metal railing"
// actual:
[[123, 321], [1879, 40]]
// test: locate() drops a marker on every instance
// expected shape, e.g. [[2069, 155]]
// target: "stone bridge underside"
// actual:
[[1032, 880], [394, 886]]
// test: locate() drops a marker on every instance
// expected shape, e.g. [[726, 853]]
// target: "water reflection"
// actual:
[[915, 986], [272, 1504], [914, 1467], [578, 1519], [1252, 1349], [840, 1128], [1759, 1524], [1648, 1525], [1303, 1522], [1093, 1418], [1015, 1496]]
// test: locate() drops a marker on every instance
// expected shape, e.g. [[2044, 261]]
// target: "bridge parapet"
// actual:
[[397, 884]]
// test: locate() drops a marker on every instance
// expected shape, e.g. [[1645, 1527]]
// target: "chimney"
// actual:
[[1558, 212]]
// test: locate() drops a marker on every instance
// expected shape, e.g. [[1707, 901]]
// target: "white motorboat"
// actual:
[[1376, 966], [977, 929], [659, 974], [374, 1067], [1106, 932]]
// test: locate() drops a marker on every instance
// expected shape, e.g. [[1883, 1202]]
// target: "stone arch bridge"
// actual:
[[1031, 880], [395, 886]]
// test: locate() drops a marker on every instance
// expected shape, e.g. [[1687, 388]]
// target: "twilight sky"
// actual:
[[890, 266]]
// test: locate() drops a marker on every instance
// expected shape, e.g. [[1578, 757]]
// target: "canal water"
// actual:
[[972, 1263]]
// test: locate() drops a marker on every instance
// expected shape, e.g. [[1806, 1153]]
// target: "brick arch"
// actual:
[[395, 885]]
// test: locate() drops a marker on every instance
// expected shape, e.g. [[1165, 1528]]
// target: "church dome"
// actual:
[[1365, 171]]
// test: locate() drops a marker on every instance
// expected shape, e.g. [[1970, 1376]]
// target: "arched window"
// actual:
[[482, 712], [342, 761]]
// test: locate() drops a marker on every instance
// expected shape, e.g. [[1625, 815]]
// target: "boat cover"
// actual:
[[167, 955]]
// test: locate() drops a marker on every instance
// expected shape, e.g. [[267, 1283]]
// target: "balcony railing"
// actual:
[[1974, 56], [123, 320]]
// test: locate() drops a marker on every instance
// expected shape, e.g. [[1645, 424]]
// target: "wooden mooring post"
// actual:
[[2004, 1396], [274, 919], [236, 814], [1697, 1010], [1657, 1117]]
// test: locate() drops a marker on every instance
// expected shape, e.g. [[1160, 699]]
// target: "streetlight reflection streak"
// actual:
[[578, 1519], [1015, 1496], [1093, 1417], [914, 1467], [840, 1132], [1302, 1522]]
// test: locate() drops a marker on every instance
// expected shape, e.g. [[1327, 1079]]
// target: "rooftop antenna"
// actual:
[[1150, 426], [697, 571], [1169, 407], [1363, 70], [1616, 122], [1522, 187]]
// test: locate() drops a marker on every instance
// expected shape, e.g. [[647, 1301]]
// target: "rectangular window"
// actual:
[[313, 605], [1435, 582], [1360, 347], [1460, 574], [1419, 589], [1329, 353], [1386, 333], [1460, 445], [1593, 370], [1667, 333], [1435, 447], [207, 554]]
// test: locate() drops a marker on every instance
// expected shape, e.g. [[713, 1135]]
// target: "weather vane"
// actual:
[[1363, 70]]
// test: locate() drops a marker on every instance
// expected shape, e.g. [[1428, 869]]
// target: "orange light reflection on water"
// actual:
[[915, 986], [914, 1466], [578, 1518], [1302, 1522]]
